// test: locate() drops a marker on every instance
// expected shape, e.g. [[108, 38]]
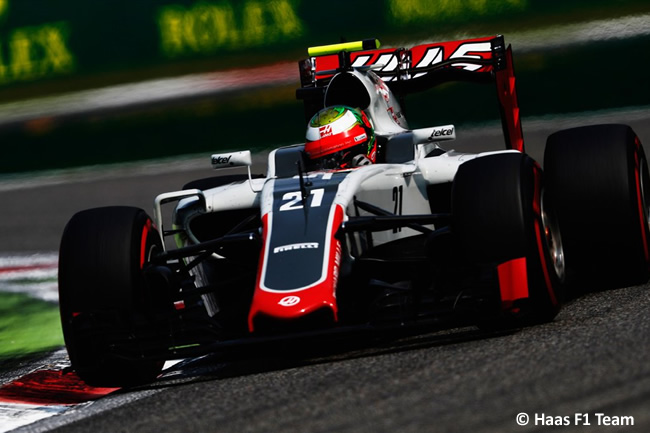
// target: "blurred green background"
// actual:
[[28, 326], [570, 56]]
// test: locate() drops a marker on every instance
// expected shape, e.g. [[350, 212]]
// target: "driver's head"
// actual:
[[340, 137]]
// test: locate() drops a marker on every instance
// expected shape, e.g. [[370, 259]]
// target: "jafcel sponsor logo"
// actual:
[[441, 132], [218, 160], [291, 247]]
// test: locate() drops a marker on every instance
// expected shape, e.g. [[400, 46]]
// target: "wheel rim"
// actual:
[[553, 239]]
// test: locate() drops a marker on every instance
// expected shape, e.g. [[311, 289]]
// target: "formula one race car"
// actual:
[[367, 226]]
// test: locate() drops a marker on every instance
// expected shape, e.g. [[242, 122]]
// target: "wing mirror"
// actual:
[[235, 159], [232, 159]]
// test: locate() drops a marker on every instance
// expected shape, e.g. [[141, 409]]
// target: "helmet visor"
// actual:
[[343, 159]]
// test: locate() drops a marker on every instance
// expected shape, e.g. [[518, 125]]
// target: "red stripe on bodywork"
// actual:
[[513, 281], [51, 387], [507, 93]]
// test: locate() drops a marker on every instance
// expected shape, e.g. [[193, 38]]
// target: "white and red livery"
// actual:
[[423, 237]]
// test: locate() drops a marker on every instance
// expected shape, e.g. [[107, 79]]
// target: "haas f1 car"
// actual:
[[402, 234]]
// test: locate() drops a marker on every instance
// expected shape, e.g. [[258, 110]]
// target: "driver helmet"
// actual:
[[340, 137]]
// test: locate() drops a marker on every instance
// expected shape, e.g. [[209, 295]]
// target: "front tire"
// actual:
[[504, 218], [102, 292]]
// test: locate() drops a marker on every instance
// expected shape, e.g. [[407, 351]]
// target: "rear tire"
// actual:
[[102, 292], [599, 178], [503, 217]]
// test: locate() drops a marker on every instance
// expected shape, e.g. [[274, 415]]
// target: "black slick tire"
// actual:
[[101, 292], [501, 215], [599, 177]]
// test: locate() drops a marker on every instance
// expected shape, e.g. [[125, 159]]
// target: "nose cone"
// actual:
[[280, 312], [299, 268]]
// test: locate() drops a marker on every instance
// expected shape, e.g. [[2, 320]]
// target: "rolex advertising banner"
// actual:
[[42, 39], [87, 82]]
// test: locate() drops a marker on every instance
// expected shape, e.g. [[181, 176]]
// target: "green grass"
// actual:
[[27, 326]]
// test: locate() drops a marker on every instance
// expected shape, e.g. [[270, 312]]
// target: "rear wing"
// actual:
[[482, 60]]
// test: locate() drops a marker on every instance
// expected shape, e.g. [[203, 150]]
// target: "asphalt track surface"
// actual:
[[592, 359]]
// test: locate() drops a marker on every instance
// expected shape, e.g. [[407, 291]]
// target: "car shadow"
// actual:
[[277, 357]]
